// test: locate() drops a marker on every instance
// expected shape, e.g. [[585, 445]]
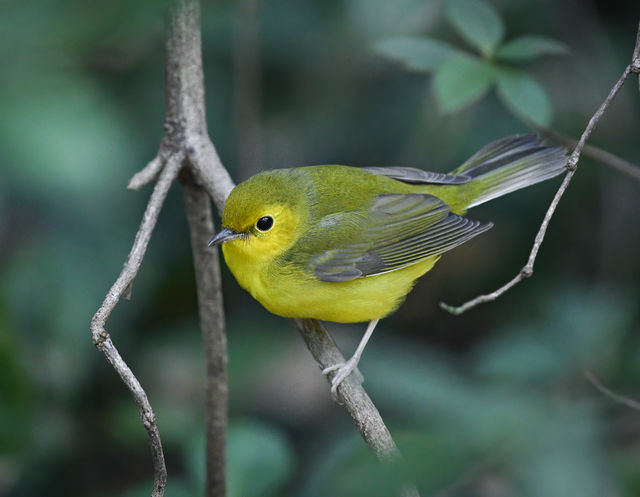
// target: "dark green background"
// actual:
[[492, 403]]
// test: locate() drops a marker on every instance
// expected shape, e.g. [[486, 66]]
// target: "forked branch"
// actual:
[[122, 285], [572, 164]]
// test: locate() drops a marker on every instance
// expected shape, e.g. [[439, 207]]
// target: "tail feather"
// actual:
[[509, 164]]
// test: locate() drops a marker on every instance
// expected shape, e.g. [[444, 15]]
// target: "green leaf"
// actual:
[[530, 47], [525, 97], [260, 460], [461, 81], [477, 22], [417, 54]]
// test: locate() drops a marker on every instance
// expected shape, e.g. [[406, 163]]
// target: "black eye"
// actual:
[[264, 223]]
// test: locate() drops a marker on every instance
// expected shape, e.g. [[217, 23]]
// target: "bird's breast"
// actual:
[[290, 290]]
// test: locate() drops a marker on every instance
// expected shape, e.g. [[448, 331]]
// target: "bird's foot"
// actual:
[[342, 370]]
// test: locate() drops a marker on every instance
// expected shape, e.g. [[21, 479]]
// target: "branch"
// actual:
[[607, 158], [207, 271], [572, 164], [186, 121], [185, 142], [209, 171], [146, 175], [350, 392], [101, 338], [354, 397], [633, 404], [186, 130]]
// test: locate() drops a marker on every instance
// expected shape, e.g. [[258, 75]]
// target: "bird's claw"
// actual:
[[342, 369]]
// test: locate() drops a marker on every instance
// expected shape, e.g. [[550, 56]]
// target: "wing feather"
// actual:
[[413, 175], [395, 231]]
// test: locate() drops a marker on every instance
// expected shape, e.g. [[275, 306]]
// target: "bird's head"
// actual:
[[262, 215]]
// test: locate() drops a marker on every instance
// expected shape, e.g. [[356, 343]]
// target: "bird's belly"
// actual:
[[292, 295]]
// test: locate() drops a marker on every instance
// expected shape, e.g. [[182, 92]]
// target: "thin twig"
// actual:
[[134, 260], [603, 156], [633, 404], [353, 396], [572, 164], [146, 175], [212, 325], [101, 337]]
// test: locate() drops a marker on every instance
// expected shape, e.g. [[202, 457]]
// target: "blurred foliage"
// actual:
[[492, 403], [461, 79]]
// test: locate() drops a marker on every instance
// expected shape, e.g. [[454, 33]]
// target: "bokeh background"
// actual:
[[492, 403]]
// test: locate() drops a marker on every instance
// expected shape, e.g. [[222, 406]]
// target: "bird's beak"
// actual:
[[225, 235]]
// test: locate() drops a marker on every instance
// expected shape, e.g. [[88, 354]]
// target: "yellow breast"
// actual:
[[292, 292]]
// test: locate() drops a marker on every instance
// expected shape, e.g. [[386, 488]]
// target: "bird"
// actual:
[[347, 244]]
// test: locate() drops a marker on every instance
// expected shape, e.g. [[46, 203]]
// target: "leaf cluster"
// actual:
[[462, 77]]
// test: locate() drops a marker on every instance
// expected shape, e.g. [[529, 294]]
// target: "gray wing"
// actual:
[[397, 230], [418, 176]]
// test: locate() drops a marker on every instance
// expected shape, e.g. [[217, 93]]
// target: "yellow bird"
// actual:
[[346, 244]]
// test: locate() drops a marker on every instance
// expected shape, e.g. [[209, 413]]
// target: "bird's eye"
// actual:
[[264, 223]]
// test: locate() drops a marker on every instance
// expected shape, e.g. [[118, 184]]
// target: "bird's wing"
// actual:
[[395, 231], [418, 176]]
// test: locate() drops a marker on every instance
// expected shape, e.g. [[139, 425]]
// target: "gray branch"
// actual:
[[353, 396], [185, 124], [185, 142], [186, 132], [572, 165], [622, 399], [207, 271], [603, 156], [122, 285], [350, 392]]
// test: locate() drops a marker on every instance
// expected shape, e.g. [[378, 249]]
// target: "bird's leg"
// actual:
[[343, 369]]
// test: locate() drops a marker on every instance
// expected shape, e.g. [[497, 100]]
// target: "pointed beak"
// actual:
[[225, 235]]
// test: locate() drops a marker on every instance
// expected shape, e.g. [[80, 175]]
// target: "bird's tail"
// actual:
[[509, 164]]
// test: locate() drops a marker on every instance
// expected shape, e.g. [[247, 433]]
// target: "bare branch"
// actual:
[[209, 171], [572, 164], [350, 392], [186, 130], [481, 299], [134, 260], [185, 136], [635, 58], [146, 175], [186, 125], [603, 156], [352, 395], [633, 404], [101, 338], [212, 325]]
